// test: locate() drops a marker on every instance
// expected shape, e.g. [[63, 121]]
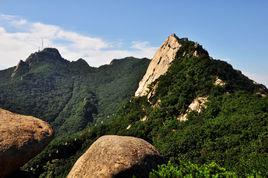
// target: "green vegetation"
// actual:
[[231, 135], [189, 170], [237, 140], [230, 132], [69, 95], [229, 138]]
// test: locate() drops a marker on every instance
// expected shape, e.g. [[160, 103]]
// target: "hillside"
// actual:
[[69, 95], [199, 109]]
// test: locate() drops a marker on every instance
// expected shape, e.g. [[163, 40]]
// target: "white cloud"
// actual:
[[19, 38]]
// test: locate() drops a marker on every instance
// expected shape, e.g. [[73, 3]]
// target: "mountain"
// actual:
[[191, 107], [69, 95]]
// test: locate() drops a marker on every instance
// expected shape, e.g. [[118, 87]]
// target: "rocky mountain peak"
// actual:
[[53, 52], [172, 41], [172, 48], [159, 64], [47, 54]]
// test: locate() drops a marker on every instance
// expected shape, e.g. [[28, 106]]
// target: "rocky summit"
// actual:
[[116, 156], [162, 60], [21, 138], [159, 64]]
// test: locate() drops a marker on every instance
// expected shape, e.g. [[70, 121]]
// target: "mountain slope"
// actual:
[[225, 112], [199, 110], [69, 95]]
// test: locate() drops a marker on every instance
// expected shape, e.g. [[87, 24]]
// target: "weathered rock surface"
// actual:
[[197, 105], [219, 82], [116, 156], [20, 69], [21, 138], [159, 64]]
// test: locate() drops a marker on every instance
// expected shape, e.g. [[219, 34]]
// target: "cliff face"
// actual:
[[159, 64], [171, 49]]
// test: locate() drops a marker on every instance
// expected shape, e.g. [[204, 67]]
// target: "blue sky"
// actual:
[[235, 31]]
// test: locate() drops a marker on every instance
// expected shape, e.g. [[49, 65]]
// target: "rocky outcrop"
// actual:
[[171, 49], [21, 138], [197, 105], [219, 82], [116, 156], [47, 54], [20, 69], [159, 64]]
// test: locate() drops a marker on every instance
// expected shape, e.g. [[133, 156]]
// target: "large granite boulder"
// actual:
[[117, 156], [21, 138]]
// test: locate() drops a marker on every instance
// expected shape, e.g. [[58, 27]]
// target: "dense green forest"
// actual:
[[69, 95], [187, 169], [228, 138]]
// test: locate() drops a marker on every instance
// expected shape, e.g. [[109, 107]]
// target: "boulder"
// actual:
[[21, 138], [117, 156]]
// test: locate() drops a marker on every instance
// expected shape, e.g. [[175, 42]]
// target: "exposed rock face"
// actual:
[[219, 82], [199, 51], [144, 119], [197, 105], [128, 127], [20, 69], [116, 156], [159, 64], [21, 138], [47, 54]]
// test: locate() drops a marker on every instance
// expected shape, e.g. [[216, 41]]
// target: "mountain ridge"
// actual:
[[228, 127], [45, 84], [199, 109]]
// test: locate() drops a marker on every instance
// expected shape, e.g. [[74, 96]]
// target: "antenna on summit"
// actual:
[[42, 44]]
